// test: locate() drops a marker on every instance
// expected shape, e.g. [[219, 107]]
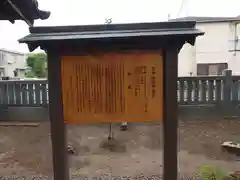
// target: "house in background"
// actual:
[[218, 49], [12, 64]]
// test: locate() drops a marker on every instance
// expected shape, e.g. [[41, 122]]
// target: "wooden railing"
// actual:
[[32, 93], [191, 91], [209, 89]]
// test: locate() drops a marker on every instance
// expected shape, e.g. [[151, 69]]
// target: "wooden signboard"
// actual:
[[126, 79], [112, 87]]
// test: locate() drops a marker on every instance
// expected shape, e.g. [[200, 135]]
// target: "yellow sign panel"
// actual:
[[112, 87]]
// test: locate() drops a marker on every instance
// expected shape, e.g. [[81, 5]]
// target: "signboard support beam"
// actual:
[[170, 114], [58, 131]]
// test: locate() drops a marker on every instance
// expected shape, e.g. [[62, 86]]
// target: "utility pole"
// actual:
[[169, 16]]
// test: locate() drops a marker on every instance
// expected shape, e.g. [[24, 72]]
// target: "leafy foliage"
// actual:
[[30, 75], [37, 62], [212, 173]]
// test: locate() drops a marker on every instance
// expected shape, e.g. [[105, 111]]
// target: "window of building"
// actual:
[[2, 72], [15, 72], [2, 58], [234, 42], [211, 69]]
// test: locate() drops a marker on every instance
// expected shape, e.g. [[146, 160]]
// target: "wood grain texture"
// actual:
[[112, 87]]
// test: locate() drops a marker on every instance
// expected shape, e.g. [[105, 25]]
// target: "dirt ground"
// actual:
[[27, 150]]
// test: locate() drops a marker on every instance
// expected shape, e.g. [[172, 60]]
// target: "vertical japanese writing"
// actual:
[[139, 79], [140, 85], [153, 82]]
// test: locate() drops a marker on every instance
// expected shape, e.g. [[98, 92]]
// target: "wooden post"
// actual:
[[227, 93], [4, 93], [170, 119], [4, 98], [58, 133]]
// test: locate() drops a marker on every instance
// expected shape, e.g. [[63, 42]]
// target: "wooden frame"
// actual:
[[170, 123], [75, 40], [58, 130]]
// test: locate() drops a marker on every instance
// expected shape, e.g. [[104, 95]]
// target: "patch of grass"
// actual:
[[207, 172]]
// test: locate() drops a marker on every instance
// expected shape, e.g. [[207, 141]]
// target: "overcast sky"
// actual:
[[79, 12]]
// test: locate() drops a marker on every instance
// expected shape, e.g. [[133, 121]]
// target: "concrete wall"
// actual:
[[24, 114], [187, 64], [212, 47], [207, 112]]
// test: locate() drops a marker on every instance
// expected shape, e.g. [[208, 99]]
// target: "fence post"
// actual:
[[227, 89]]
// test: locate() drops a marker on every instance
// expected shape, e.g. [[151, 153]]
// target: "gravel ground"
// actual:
[[136, 153]]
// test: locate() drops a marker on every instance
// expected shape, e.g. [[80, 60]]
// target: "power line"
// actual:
[[183, 3], [181, 7]]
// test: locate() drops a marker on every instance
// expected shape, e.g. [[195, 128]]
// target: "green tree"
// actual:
[[37, 63]]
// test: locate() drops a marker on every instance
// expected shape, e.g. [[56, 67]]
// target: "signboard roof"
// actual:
[[126, 33]]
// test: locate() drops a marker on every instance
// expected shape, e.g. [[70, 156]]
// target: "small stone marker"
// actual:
[[231, 144], [235, 175], [124, 126], [71, 150], [232, 147]]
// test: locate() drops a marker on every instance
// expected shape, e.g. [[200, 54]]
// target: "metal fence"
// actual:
[[191, 91]]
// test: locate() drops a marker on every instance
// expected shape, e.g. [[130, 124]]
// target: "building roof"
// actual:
[[26, 10], [11, 52], [207, 19], [111, 33]]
